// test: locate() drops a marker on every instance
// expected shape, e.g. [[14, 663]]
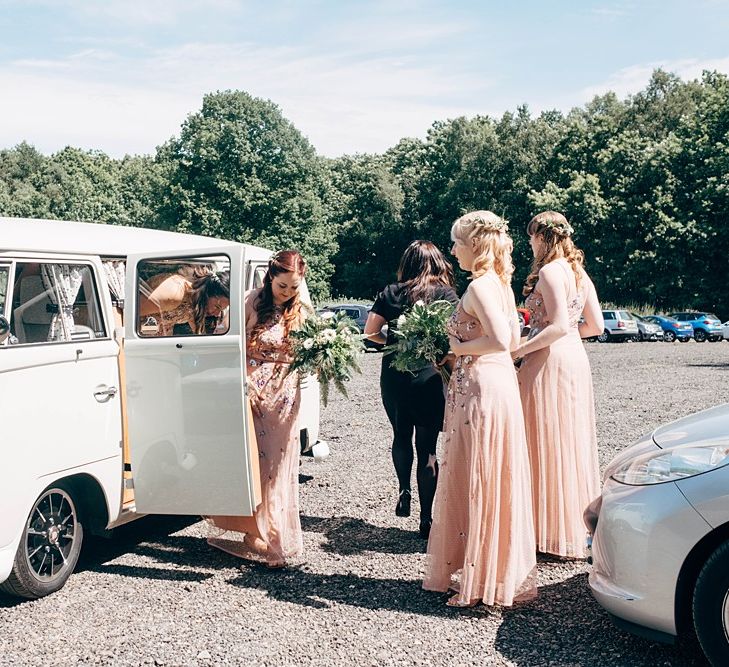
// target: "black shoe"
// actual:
[[424, 530], [403, 503]]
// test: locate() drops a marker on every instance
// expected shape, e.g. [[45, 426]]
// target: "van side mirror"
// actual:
[[4, 329]]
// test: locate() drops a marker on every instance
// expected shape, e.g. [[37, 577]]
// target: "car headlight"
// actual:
[[669, 465]]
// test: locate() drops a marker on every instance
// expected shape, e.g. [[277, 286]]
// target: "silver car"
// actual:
[[619, 325], [659, 533]]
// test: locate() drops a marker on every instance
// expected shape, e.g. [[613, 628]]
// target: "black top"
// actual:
[[392, 301]]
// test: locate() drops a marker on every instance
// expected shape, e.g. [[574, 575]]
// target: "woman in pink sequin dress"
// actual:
[[273, 534], [482, 540], [556, 387]]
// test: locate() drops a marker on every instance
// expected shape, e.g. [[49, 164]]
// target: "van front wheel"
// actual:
[[50, 546]]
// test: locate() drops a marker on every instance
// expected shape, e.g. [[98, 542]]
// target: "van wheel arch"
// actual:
[[80, 501]]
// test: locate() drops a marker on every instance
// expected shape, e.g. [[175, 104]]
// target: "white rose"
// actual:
[[308, 343], [328, 335], [401, 321], [420, 302]]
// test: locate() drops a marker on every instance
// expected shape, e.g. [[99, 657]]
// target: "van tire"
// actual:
[[711, 606], [30, 577]]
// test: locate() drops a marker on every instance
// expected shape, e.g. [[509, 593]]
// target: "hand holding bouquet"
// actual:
[[328, 347], [422, 338]]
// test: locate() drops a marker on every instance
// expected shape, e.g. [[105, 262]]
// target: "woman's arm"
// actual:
[[249, 311], [373, 328], [554, 292], [166, 296], [485, 301], [594, 323]]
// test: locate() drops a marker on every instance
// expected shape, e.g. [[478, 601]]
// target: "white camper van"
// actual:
[[104, 417]]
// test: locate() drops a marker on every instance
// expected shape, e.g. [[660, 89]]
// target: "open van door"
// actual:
[[188, 430]]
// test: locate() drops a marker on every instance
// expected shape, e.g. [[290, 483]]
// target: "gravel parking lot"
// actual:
[[157, 594]]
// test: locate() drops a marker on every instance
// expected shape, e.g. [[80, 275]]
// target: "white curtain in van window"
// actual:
[[115, 271], [63, 282]]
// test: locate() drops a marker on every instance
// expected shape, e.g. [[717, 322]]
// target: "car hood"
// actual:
[[711, 424]]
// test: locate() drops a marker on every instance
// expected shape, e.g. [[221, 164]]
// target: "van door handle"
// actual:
[[103, 395]]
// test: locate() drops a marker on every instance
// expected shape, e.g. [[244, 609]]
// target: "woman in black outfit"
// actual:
[[414, 403]]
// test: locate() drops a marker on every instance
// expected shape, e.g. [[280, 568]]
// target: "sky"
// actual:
[[121, 76]]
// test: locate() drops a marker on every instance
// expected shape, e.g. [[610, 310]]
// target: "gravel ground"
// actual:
[[157, 594]]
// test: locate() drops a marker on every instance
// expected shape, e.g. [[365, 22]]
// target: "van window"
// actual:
[[183, 296], [55, 303], [259, 273], [4, 273]]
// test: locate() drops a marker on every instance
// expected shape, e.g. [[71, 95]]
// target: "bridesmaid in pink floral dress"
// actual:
[[482, 539], [556, 387], [273, 534]]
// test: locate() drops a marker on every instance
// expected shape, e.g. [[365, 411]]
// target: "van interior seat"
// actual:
[[33, 319]]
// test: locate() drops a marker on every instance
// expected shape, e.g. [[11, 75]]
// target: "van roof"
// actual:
[[88, 238]]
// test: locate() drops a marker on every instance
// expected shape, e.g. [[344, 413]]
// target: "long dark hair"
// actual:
[[207, 284], [422, 268], [284, 261]]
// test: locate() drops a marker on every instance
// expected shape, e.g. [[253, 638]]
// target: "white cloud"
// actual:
[[631, 80], [96, 99]]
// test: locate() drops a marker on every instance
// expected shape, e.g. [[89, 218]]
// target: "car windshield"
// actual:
[[625, 315], [710, 316], [639, 318]]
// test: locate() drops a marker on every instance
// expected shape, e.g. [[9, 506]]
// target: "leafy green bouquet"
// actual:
[[422, 338], [327, 346]]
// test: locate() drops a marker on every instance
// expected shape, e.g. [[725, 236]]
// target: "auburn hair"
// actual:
[[284, 261]]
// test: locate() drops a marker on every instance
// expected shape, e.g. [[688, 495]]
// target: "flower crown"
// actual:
[[562, 228], [494, 224]]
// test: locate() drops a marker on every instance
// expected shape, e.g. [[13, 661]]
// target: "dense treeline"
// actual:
[[644, 181]]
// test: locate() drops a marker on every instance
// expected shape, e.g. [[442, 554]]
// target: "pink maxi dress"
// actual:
[[276, 520], [559, 414], [482, 540]]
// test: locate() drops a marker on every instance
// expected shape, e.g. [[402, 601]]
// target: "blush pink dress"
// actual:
[[559, 413], [482, 540], [276, 520]]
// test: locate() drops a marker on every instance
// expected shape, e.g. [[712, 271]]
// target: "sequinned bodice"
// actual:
[[270, 343], [538, 318], [463, 326]]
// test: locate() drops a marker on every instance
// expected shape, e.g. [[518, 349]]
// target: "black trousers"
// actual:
[[415, 406]]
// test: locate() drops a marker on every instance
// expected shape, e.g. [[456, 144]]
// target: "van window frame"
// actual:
[[177, 259], [98, 290]]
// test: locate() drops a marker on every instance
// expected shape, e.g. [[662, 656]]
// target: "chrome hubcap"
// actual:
[[725, 615], [51, 531]]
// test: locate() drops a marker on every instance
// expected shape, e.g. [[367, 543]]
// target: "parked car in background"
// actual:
[[358, 313], [524, 315], [659, 544], [672, 329], [619, 325], [707, 326], [725, 330], [648, 330]]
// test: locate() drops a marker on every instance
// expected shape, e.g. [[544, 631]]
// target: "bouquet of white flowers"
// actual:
[[422, 338], [327, 346]]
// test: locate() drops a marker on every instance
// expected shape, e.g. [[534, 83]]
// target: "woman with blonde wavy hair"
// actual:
[[556, 386], [482, 539]]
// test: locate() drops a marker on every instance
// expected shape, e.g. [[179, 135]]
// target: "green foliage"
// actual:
[[644, 181], [421, 337], [327, 347]]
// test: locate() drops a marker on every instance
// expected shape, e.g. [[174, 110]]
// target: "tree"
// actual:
[[239, 170]]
